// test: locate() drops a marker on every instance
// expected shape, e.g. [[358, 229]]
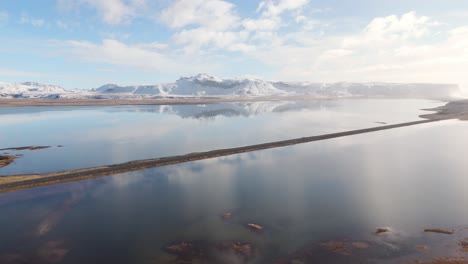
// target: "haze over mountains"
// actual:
[[206, 85]]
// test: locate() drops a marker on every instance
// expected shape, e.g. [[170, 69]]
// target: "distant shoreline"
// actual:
[[174, 100]]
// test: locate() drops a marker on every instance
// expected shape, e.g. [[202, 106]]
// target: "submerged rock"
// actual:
[[255, 227], [444, 261], [382, 230], [226, 216]]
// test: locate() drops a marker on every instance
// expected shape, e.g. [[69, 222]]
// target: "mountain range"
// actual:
[[204, 85]]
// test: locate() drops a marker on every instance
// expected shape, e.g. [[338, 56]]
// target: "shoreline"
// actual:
[[26, 181], [174, 100]]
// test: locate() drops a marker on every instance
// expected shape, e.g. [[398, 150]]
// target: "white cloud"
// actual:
[[25, 19], [195, 38], [408, 25], [272, 8], [320, 10], [400, 48], [215, 23], [4, 17], [61, 24], [4, 72], [392, 48], [15, 73], [115, 35], [308, 23], [137, 56], [213, 14], [262, 24], [271, 19], [112, 12], [153, 46]]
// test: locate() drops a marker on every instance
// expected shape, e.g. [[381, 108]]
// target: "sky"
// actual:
[[88, 43]]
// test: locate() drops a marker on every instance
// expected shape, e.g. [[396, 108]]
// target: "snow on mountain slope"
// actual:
[[42, 91], [206, 85], [200, 85], [31, 90]]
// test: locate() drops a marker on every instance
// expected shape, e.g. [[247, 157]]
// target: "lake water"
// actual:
[[319, 202], [95, 136]]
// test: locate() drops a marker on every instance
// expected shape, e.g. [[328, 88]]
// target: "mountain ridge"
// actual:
[[206, 85]]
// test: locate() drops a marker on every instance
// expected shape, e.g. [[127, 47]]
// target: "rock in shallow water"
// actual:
[[255, 227], [212, 252]]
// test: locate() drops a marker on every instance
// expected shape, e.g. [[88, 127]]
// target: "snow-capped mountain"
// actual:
[[206, 85], [38, 90], [200, 85], [30, 90]]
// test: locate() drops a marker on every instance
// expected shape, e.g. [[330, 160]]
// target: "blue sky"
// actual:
[[87, 43]]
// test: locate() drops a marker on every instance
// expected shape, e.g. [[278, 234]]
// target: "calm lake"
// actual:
[[319, 202]]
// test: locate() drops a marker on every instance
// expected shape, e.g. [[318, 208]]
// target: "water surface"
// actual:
[[94, 136], [305, 196]]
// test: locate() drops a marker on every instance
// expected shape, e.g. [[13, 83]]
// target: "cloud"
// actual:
[[262, 24], [407, 26], [15, 73], [61, 24], [392, 48], [138, 56], [211, 23], [112, 12], [272, 8], [25, 19], [227, 40], [4, 72], [213, 14], [285, 37], [4, 17]]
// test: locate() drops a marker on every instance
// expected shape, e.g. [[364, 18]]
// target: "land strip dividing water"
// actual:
[[18, 182]]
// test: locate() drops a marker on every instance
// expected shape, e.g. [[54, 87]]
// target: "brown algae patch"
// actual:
[[335, 246], [361, 245], [444, 261], [53, 252], [6, 159], [211, 252], [422, 247], [463, 245], [439, 231]]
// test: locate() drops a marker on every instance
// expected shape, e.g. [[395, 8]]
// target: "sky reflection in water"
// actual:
[[341, 189], [94, 136]]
